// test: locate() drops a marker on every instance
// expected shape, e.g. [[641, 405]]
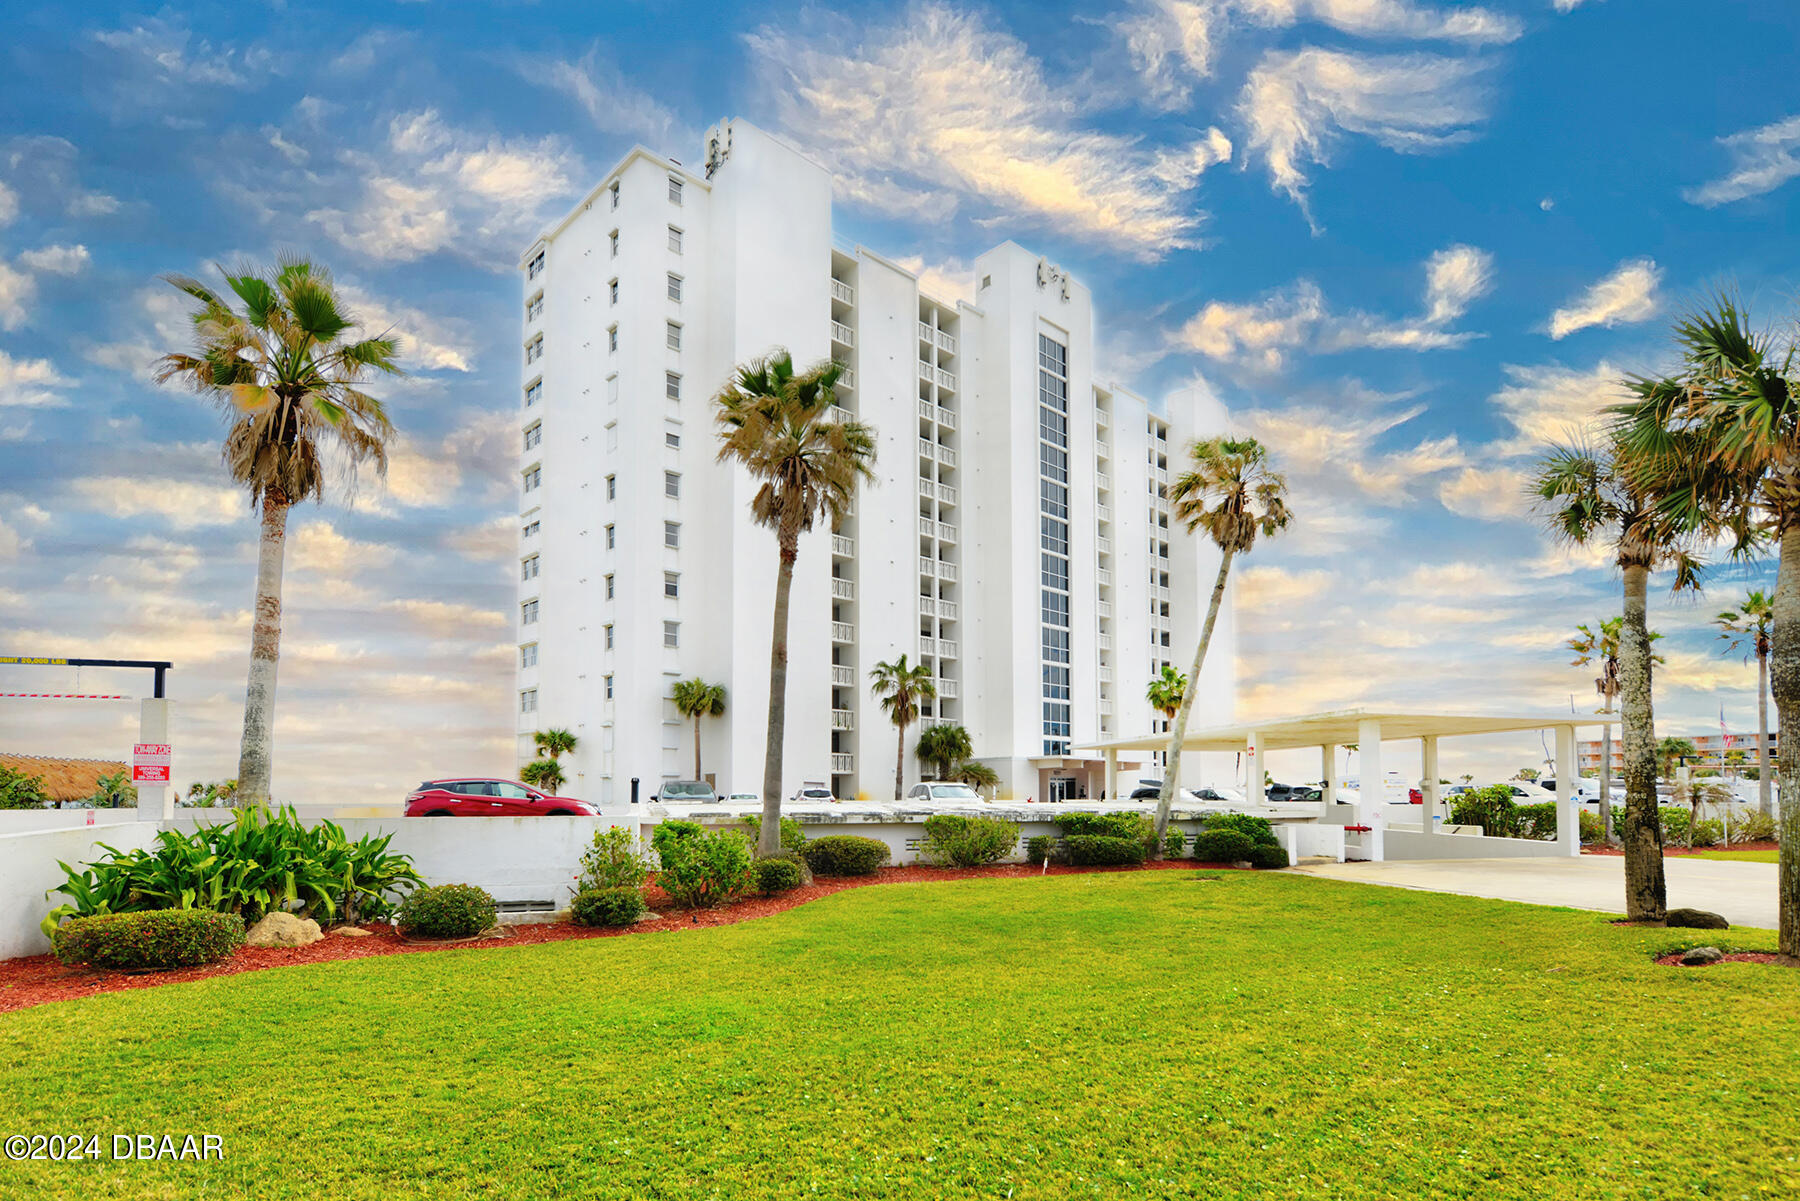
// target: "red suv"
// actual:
[[489, 798]]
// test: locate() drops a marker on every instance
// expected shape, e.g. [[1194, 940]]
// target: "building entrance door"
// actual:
[[1062, 788]]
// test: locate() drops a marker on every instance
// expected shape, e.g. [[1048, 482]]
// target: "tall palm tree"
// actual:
[[696, 698], [1670, 751], [554, 744], [975, 775], [1599, 644], [901, 687], [543, 773], [1231, 491], [775, 423], [286, 371], [1165, 692], [944, 747], [1746, 627]]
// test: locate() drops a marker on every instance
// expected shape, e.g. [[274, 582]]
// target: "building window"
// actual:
[[531, 528], [528, 567], [534, 308], [535, 392], [612, 291], [672, 484], [674, 338], [609, 688], [534, 349], [672, 385], [614, 189], [674, 190], [671, 439], [528, 655], [674, 240], [1053, 541], [528, 613], [612, 339], [528, 701], [612, 487], [536, 267], [534, 479], [609, 537], [534, 434], [608, 637], [609, 587], [671, 634], [674, 287], [672, 585], [672, 534], [613, 238]]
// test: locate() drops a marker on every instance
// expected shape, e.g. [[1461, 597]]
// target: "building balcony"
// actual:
[[842, 547], [927, 489], [947, 689], [1102, 418], [926, 371], [839, 415], [842, 334], [928, 606], [843, 719], [1103, 545], [847, 379], [1102, 481], [1159, 593], [1103, 576], [842, 291], [1104, 642], [947, 572], [946, 379], [842, 763], [1106, 705], [927, 646], [927, 449], [927, 528], [844, 590], [946, 342], [949, 610], [1104, 608], [927, 335], [843, 632], [946, 532], [843, 675], [1103, 513], [946, 494], [1106, 675], [946, 455], [947, 648]]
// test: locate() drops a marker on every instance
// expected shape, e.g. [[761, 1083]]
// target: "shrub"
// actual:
[[618, 906], [793, 838], [1270, 856], [447, 911], [777, 874], [141, 941], [1674, 824], [1108, 825], [1174, 844], [1492, 808], [953, 840], [613, 861], [1041, 847], [1103, 850], [846, 855], [1753, 826], [1591, 829], [1223, 846], [1709, 832], [1257, 829], [1536, 821], [700, 867]]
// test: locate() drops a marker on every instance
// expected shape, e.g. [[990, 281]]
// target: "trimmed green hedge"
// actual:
[[159, 938], [777, 874], [447, 911], [1267, 856], [607, 906], [1040, 847], [1107, 825], [699, 867], [845, 855], [953, 840], [1104, 850], [1257, 829], [1223, 846]]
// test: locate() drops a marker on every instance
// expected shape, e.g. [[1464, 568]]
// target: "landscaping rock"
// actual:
[[283, 930], [1701, 956], [1695, 919], [352, 932]]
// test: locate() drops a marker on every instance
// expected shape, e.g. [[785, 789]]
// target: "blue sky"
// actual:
[[1406, 242]]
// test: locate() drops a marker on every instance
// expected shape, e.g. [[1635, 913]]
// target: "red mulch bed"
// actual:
[[1675, 850], [1673, 959], [40, 979]]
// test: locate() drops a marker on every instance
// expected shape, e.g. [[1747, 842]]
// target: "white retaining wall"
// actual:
[[1414, 844], [28, 870]]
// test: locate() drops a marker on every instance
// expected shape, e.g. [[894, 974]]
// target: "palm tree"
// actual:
[[900, 688], [285, 371], [1599, 643], [1746, 628], [1165, 692], [944, 747], [1672, 750], [543, 773], [976, 775], [774, 422], [1230, 491], [554, 744], [696, 698]]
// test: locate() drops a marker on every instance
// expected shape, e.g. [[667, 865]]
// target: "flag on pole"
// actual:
[[1725, 733]]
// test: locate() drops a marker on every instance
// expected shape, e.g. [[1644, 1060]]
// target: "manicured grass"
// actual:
[[1741, 856], [1165, 1034]]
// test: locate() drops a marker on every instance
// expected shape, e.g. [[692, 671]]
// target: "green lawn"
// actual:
[[1139, 1035], [1741, 856]]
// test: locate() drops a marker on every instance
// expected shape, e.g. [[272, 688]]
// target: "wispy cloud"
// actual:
[[1761, 160], [1298, 103], [1551, 404], [30, 383], [920, 116], [1626, 295], [1487, 493], [613, 102]]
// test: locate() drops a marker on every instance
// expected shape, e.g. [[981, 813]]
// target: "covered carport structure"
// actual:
[[1367, 730]]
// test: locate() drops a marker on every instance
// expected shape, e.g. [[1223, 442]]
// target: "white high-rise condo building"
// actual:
[[1018, 539]]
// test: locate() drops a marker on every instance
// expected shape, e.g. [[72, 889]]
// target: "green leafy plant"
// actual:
[[1753, 826], [1104, 850], [699, 867], [846, 855], [1492, 808], [1268, 855], [777, 874], [1257, 829], [619, 906], [1223, 846], [147, 941], [1174, 844], [20, 791], [1536, 821], [1041, 847], [1108, 825], [793, 838], [613, 860], [954, 840], [447, 911]]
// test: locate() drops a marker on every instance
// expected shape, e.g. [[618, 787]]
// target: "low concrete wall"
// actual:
[[28, 870], [24, 821], [1412, 844]]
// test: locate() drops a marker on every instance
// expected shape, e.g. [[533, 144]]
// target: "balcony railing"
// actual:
[[946, 455], [927, 410], [1104, 576], [1106, 675], [1105, 609], [843, 675], [926, 371], [1103, 513], [946, 493], [1106, 705], [842, 763], [927, 606], [843, 631], [947, 689], [842, 547], [927, 645], [947, 572], [946, 379], [1103, 545], [949, 610], [1103, 481], [844, 590], [1104, 642], [946, 342], [840, 415], [1159, 594], [946, 648], [927, 488], [843, 291], [843, 719], [927, 335], [927, 448], [946, 532], [927, 528], [843, 334], [847, 379]]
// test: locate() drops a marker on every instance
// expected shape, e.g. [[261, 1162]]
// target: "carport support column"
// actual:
[[1328, 794], [1568, 807], [1428, 787], [1255, 792], [1112, 774], [1372, 780]]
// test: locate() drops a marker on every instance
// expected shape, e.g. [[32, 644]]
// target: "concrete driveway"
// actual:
[[1742, 893]]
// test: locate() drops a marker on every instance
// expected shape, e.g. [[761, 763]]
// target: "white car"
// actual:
[[1526, 793], [813, 792], [744, 798], [941, 790]]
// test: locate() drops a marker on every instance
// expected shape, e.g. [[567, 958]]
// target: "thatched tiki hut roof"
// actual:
[[64, 779]]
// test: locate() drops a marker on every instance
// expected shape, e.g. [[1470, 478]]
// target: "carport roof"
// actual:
[[1337, 727]]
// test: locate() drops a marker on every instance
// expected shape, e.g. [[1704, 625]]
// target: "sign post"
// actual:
[[150, 762]]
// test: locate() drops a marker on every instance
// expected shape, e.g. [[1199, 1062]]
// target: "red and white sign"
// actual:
[[150, 763]]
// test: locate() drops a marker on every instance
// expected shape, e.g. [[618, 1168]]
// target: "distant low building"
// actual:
[[64, 780], [1711, 748]]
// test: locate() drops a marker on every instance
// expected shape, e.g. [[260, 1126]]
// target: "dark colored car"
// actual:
[[1292, 792], [473, 797]]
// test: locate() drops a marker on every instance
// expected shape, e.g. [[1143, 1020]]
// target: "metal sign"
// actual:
[[150, 763]]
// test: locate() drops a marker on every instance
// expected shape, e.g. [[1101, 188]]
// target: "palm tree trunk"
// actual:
[[1763, 774], [256, 752], [1646, 892], [768, 839], [1606, 822], [1172, 772], [900, 763], [1784, 683], [697, 774]]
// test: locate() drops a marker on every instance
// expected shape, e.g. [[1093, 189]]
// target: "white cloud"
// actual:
[[57, 260], [613, 104], [431, 343], [1455, 276], [447, 618], [917, 116], [1552, 405], [12, 543], [1627, 295], [171, 54], [184, 504], [9, 205], [1263, 586], [1762, 160], [952, 279], [29, 383], [1567, 6], [1169, 41], [1296, 102], [1488, 493], [1335, 452], [17, 288]]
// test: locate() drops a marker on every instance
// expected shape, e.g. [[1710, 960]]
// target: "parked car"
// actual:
[[813, 791], [686, 792], [941, 790], [490, 798], [1186, 796], [744, 798], [1292, 792]]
